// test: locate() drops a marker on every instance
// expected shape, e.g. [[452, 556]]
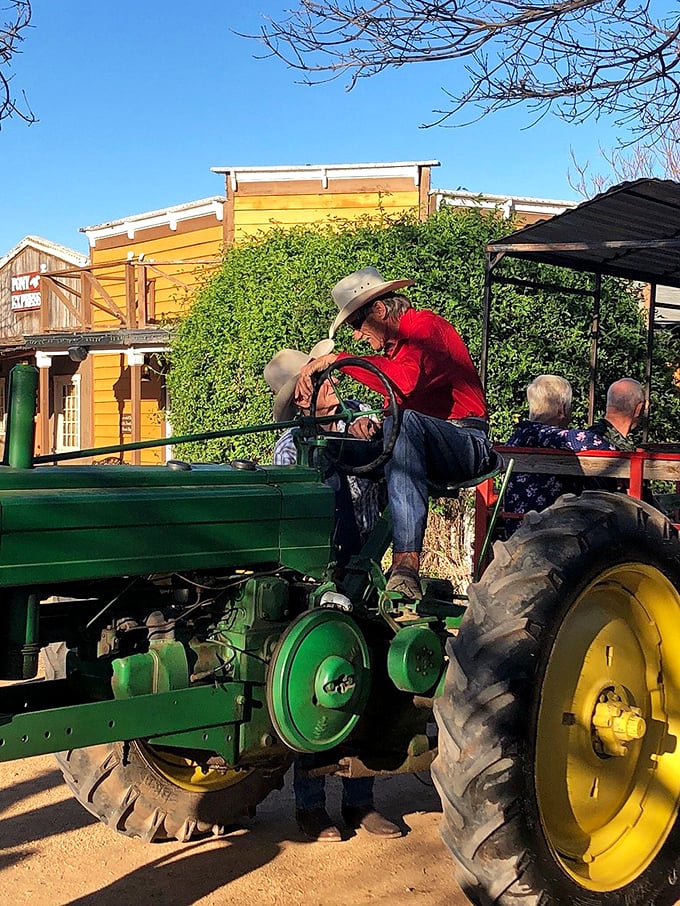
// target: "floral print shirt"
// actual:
[[527, 491]]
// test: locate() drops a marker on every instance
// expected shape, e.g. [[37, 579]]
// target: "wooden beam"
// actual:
[[564, 462], [119, 262], [130, 295], [351, 186], [653, 466], [537, 284], [152, 233], [172, 279], [141, 294], [44, 305], [151, 300], [63, 298], [229, 220], [424, 193], [86, 299], [583, 246], [110, 307], [64, 286]]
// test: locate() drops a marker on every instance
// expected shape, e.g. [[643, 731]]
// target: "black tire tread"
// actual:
[[480, 769], [118, 785]]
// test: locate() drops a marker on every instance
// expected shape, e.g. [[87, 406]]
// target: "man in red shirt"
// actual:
[[443, 437]]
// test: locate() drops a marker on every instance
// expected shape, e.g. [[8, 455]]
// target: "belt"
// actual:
[[477, 424]]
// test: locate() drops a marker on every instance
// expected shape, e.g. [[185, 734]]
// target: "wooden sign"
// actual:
[[25, 291]]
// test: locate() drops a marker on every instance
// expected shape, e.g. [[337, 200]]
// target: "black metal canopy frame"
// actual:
[[631, 231]]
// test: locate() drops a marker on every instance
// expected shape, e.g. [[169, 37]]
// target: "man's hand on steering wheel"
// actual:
[[363, 432], [364, 428], [304, 389]]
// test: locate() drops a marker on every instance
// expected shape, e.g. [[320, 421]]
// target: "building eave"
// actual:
[[169, 217], [508, 204], [322, 173], [70, 256]]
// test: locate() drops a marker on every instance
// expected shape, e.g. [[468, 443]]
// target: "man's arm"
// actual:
[[304, 388]]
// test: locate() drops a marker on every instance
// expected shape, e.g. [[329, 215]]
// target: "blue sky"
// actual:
[[137, 101]]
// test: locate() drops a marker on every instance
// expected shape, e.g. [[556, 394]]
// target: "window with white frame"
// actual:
[[67, 412]]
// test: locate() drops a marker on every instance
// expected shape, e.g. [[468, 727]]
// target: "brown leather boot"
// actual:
[[317, 824], [371, 821], [404, 578]]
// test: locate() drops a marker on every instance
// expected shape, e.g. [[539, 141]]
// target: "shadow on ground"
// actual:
[[182, 875]]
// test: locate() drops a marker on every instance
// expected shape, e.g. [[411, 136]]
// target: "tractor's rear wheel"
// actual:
[[160, 794], [559, 758]]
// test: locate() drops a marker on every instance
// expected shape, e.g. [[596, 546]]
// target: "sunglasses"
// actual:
[[357, 320]]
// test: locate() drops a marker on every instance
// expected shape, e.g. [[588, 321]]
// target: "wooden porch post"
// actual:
[[141, 295], [130, 301], [86, 298], [135, 366], [424, 193], [44, 363]]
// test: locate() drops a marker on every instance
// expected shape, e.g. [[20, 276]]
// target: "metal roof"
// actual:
[[631, 231]]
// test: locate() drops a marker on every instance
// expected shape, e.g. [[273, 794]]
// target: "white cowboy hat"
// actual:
[[358, 289], [282, 372]]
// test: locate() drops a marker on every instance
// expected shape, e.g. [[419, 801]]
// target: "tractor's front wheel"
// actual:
[[559, 759], [157, 794]]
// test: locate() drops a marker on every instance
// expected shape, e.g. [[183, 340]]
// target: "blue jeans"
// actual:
[[428, 449], [310, 792]]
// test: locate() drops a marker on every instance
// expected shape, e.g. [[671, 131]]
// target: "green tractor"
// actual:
[[196, 633]]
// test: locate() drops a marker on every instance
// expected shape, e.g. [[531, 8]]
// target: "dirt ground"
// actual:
[[54, 853]]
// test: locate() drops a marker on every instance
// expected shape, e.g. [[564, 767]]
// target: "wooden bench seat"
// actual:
[[641, 465]]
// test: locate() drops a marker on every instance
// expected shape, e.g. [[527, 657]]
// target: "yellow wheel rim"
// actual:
[[188, 774], [608, 803]]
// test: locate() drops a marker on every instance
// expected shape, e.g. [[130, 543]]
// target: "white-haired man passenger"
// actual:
[[625, 405]]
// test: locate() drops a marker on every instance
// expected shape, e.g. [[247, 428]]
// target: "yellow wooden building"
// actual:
[[258, 198]]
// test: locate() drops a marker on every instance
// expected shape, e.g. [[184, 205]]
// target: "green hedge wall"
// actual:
[[274, 291]]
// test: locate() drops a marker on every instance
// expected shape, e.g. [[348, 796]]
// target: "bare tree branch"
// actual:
[[639, 161], [576, 58], [16, 18]]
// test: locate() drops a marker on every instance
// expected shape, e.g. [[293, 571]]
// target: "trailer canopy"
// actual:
[[631, 231]]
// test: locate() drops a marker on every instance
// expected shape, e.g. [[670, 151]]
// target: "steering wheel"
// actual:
[[392, 410]]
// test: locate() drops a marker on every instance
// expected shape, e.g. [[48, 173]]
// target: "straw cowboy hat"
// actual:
[[358, 289], [281, 374]]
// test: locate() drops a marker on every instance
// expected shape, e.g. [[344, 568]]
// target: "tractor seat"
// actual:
[[496, 465]]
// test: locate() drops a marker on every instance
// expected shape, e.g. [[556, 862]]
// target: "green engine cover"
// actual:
[[318, 681], [60, 524]]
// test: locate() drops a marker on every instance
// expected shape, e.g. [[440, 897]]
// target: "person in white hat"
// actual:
[[281, 374], [357, 510], [367, 496], [443, 437]]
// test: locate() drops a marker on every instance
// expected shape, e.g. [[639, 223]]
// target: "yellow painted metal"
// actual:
[[606, 816], [616, 723], [188, 774]]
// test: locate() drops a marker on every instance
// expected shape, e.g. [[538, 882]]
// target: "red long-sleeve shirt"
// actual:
[[430, 368]]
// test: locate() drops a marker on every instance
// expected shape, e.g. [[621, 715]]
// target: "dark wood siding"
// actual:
[[15, 324]]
